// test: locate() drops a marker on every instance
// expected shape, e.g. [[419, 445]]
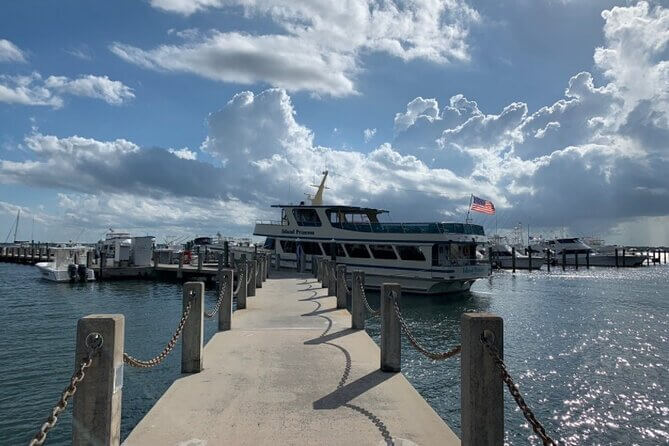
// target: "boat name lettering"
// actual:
[[296, 231]]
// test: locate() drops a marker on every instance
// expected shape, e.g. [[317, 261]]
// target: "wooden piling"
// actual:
[[513, 259], [576, 259], [548, 259], [200, 259], [529, 258], [564, 260], [357, 305], [617, 265], [481, 391], [391, 334], [587, 260], [96, 415], [623, 256], [180, 272], [193, 333]]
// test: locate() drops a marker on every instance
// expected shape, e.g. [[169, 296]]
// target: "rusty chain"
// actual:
[[515, 393], [93, 345], [371, 310], [134, 362], [212, 313], [440, 356]]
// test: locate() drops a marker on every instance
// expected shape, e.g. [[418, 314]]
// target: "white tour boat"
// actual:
[[430, 258], [69, 265]]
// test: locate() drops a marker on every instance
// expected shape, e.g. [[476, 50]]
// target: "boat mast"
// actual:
[[317, 199], [16, 226]]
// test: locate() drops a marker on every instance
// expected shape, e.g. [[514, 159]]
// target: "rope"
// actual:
[[134, 362]]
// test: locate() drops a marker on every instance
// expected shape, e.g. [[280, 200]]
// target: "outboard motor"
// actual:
[[72, 272], [83, 272]]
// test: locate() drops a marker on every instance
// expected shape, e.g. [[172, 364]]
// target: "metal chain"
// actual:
[[440, 356], [218, 303], [134, 362], [515, 393], [248, 273], [239, 286], [371, 310], [93, 344]]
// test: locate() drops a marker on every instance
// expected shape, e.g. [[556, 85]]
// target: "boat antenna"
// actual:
[[32, 230], [317, 199], [471, 197]]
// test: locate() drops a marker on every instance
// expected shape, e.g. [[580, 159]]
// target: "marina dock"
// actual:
[[291, 371]]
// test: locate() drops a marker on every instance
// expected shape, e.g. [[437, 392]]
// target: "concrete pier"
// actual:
[[291, 371]]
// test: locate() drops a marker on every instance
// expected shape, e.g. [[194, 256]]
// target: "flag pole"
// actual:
[[471, 197]]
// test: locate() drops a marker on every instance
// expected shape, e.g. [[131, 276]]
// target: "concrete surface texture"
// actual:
[[291, 372]]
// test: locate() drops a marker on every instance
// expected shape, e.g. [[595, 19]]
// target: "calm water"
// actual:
[[589, 349]]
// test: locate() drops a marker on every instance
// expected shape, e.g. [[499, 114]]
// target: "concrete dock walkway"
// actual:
[[291, 372]]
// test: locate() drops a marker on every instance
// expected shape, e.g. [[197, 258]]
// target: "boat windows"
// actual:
[[327, 249], [312, 248], [306, 217], [357, 250], [288, 246], [383, 252], [408, 252], [269, 243]]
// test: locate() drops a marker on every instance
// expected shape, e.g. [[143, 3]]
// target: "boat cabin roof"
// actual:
[[333, 207]]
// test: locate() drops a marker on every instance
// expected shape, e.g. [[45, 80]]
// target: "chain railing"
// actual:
[[515, 393], [221, 294], [371, 310], [134, 362], [93, 345], [436, 356]]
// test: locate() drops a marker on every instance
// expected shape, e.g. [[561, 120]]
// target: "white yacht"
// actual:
[[69, 265], [502, 257], [576, 250], [430, 258]]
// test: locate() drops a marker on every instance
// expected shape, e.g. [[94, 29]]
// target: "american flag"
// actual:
[[484, 206]]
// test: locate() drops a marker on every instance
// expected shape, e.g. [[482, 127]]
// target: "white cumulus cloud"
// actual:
[[368, 134], [10, 52]]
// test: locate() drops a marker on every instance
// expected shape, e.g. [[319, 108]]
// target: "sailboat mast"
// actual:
[[16, 226]]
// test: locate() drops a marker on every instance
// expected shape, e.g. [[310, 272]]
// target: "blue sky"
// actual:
[[191, 117]]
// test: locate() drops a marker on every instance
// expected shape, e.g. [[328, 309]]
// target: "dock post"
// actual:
[[103, 263], [251, 280], [548, 259], [529, 254], [341, 286], [225, 284], [180, 272], [199, 259], [226, 254], [623, 256], [326, 274], [576, 260], [481, 391], [319, 269], [513, 259], [587, 260], [564, 260], [96, 416], [258, 271], [89, 259], [617, 258], [241, 280], [357, 306], [490, 258], [314, 272], [192, 337], [48, 254], [278, 261], [391, 335], [332, 278]]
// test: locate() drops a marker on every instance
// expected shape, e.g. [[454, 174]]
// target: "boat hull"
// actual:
[[521, 263], [602, 260], [48, 272]]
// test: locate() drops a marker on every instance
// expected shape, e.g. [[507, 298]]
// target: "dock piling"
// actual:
[[357, 306], [225, 284], [548, 259], [529, 254], [391, 340], [199, 259], [96, 417], [576, 260], [623, 256], [481, 391], [617, 258], [193, 332], [564, 260], [513, 259], [587, 260], [251, 279], [180, 272], [341, 286]]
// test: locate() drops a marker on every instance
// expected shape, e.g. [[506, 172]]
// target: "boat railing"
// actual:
[[269, 222], [411, 228]]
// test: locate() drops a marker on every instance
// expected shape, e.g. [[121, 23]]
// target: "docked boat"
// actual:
[[575, 250], [503, 257], [68, 265], [429, 258]]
